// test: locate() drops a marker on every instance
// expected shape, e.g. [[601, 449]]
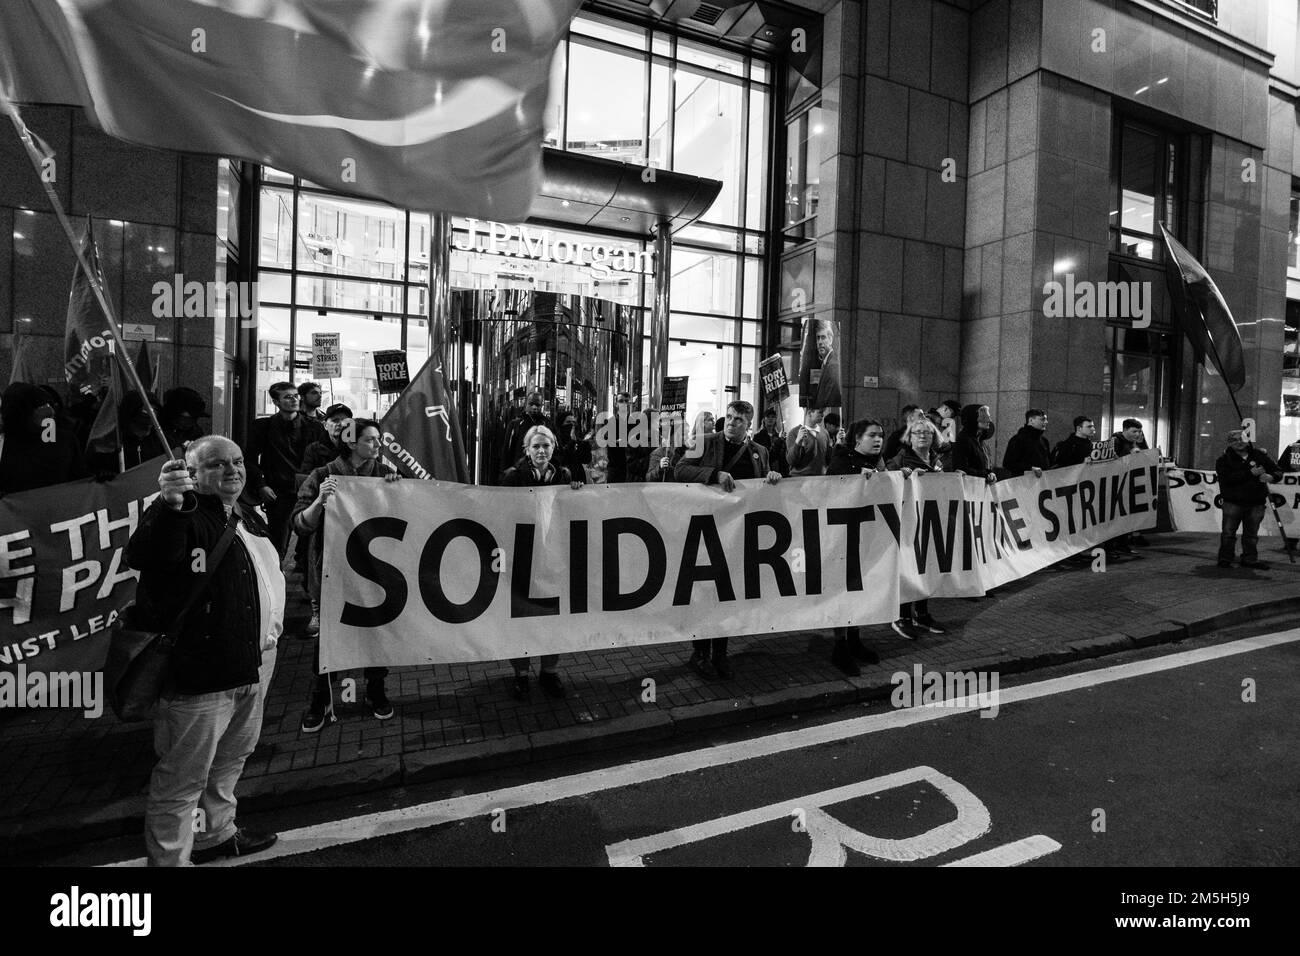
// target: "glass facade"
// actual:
[[618, 90], [1289, 422]]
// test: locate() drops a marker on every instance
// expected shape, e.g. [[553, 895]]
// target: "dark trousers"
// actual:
[[1248, 518], [847, 635], [278, 515], [323, 680], [550, 663], [914, 609], [715, 648]]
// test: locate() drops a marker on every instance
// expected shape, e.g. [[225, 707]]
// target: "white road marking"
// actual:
[[1011, 854], [367, 826]]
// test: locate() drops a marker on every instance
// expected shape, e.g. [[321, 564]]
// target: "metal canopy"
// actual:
[[594, 192]]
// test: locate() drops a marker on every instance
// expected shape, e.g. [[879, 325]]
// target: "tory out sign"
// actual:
[[542, 245]]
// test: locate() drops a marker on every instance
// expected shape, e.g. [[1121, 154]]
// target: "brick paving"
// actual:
[[62, 766]]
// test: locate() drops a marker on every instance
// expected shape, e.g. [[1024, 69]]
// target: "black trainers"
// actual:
[[519, 689], [319, 712], [702, 666], [377, 700], [930, 624], [842, 658], [243, 843], [722, 668], [549, 682], [907, 629]]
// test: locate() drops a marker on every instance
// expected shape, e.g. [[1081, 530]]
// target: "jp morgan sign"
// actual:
[[542, 245]]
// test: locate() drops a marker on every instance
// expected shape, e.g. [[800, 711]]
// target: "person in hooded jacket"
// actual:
[[361, 441], [1028, 450], [36, 451], [970, 454]]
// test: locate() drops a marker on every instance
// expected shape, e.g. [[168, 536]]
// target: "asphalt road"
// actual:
[[1165, 768]]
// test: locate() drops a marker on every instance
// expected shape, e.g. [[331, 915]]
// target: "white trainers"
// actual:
[[313, 626]]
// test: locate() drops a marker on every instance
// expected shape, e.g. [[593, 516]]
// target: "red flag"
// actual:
[[86, 335], [428, 104], [421, 432]]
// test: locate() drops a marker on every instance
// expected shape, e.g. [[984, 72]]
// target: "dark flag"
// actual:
[[105, 438], [24, 368], [427, 104], [86, 335], [421, 432], [1202, 313], [144, 368]]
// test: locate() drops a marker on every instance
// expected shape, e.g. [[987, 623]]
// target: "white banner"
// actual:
[[429, 572], [1195, 504]]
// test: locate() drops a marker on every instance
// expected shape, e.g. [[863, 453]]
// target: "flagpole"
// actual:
[[35, 155]]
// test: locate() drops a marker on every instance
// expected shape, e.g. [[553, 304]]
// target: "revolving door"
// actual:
[[579, 352]]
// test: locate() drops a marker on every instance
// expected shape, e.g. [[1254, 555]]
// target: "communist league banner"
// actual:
[[63, 580], [1195, 504], [430, 572]]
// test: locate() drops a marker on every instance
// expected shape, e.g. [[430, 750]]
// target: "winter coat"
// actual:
[[375, 468], [847, 461], [1028, 449], [1071, 451], [1237, 485]]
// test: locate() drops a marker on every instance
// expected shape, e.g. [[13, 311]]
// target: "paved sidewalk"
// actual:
[[65, 779]]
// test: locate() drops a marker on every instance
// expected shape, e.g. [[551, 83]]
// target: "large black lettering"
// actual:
[[772, 556], [1136, 488], [387, 576], [578, 567], [431, 589], [812, 546], [1117, 483], [523, 604], [611, 597], [975, 521], [1015, 524], [934, 530], [703, 528], [1087, 494], [890, 515], [1054, 531], [1068, 492], [852, 519]]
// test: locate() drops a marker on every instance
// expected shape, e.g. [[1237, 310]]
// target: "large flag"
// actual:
[[421, 432], [105, 436], [428, 104], [1203, 314], [86, 336]]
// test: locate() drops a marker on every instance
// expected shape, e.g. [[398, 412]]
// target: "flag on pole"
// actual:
[[105, 438], [1203, 314], [428, 104], [144, 368], [86, 334], [24, 366], [421, 432]]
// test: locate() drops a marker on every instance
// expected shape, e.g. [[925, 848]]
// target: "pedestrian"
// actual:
[[36, 450], [859, 454], [831, 422], [276, 448], [537, 470], [182, 407], [219, 670], [1028, 450], [807, 445], [918, 456], [534, 414], [1129, 440], [724, 459], [360, 440], [970, 455], [1243, 472], [772, 438], [573, 453], [309, 402], [1076, 449]]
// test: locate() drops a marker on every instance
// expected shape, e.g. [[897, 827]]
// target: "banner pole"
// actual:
[[35, 155]]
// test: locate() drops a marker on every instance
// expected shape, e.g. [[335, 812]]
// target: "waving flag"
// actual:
[[420, 434], [428, 104], [1203, 314], [87, 359]]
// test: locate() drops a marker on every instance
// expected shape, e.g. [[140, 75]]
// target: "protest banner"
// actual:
[[674, 395], [420, 573], [326, 359], [1195, 503], [391, 371], [63, 580]]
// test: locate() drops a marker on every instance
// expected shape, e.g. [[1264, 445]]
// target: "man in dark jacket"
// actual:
[[726, 458], [969, 453], [1244, 473], [1028, 449], [772, 438], [276, 446], [859, 455], [210, 714], [1075, 449]]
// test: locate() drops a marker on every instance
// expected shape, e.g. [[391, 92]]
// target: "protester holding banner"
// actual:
[[362, 460], [573, 452], [35, 450], [1244, 473], [919, 456], [724, 459], [537, 471], [1129, 438], [970, 455], [1075, 449], [807, 445], [771, 438], [513, 449], [898, 437], [1028, 449], [276, 446], [220, 667]]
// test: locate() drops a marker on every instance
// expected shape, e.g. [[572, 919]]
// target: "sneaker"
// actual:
[[549, 681], [702, 666], [319, 712], [243, 843], [722, 668], [907, 629], [930, 624], [519, 690], [377, 700], [313, 626], [842, 658], [1255, 565]]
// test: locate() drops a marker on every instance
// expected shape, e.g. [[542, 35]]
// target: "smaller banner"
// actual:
[[391, 371], [776, 387], [326, 359], [819, 365], [674, 401], [1103, 450], [1196, 505]]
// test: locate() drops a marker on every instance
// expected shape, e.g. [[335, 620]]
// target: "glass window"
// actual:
[[276, 246], [703, 282], [1147, 187], [350, 237], [1293, 237], [609, 30], [333, 293], [553, 119], [359, 338], [1137, 379], [708, 139], [1290, 420], [606, 109], [797, 275], [802, 173], [710, 328], [756, 176], [661, 92], [711, 58]]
